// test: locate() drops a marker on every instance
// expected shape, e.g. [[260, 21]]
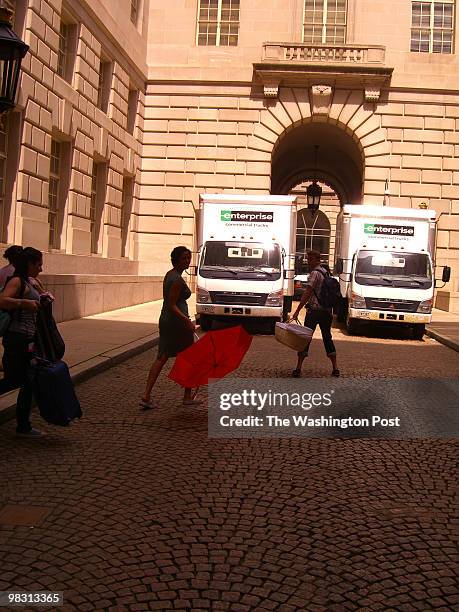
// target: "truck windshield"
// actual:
[[253, 260], [384, 268]]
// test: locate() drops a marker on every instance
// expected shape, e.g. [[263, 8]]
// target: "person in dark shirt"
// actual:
[[316, 314], [176, 330]]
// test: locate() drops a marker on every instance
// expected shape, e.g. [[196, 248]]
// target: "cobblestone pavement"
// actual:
[[144, 512]]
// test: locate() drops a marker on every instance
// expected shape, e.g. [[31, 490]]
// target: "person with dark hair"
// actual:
[[316, 314], [22, 299], [10, 255], [176, 330]]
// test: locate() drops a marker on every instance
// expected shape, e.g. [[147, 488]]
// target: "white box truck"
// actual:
[[384, 258], [246, 256]]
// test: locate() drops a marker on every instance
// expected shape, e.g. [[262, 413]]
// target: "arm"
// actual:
[[304, 300], [9, 297], [174, 294]]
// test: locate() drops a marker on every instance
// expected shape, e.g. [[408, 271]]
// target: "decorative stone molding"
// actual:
[[271, 88], [372, 94], [337, 54], [345, 66], [321, 97]]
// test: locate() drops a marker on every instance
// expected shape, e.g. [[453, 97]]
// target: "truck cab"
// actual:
[[391, 285], [384, 259], [243, 279], [246, 258]]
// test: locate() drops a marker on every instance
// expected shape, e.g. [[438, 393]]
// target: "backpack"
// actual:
[[330, 292]]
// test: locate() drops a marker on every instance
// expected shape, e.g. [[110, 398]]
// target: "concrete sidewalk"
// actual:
[[98, 342], [445, 328]]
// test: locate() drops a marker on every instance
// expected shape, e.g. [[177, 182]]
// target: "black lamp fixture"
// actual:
[[314, 190], [12, 50]]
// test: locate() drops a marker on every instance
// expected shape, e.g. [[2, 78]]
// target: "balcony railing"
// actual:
[[332, 54]]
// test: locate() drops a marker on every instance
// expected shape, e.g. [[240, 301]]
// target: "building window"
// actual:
[[133, 100], [3, 176], [98, 190], [218, 23], [126, 210], [134, 11], [105, 84], [432, 29], [67, 50], [53, 194], [63, 49], [92, 210], [324, 22]]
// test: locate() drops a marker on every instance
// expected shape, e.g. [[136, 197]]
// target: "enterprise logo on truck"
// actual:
[[378, 229], [246, 215]]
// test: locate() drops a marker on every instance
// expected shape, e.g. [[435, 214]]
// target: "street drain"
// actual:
[[24, 516]]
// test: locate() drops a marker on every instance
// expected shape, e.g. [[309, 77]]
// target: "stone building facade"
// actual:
[[375, 87], [72, 150], [129, 109]]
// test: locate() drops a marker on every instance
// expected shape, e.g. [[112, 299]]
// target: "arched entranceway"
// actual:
[[313, 233], [338, 169]]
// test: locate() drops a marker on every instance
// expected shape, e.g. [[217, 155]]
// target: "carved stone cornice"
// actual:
[[298, 65]]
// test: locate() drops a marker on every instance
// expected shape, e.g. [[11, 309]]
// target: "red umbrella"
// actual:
[[214, 355]]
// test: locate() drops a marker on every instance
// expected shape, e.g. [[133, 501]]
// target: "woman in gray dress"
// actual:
[[176, 330]]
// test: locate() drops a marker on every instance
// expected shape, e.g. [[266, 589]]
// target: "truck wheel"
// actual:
[[352, 326], [205, 322], [418, 331]]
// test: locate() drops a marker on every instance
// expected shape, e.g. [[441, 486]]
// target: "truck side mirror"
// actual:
[[339, 266], [446, 274]]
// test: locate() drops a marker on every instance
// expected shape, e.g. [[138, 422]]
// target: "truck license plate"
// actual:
[[209, 309]]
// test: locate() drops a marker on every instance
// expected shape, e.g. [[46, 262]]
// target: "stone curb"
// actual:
[[86, 369], [443, 339]]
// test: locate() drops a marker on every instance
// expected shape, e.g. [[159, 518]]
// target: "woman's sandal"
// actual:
[[296, 373], [335, 373], [147, 405]]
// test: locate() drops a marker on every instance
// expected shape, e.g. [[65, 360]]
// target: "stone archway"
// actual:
[[340, 161], [340, 167]]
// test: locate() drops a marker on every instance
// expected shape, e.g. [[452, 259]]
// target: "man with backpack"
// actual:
[[319, 297]]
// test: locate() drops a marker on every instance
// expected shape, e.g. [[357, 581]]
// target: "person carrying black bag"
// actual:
[[21, 299], [317, 313]]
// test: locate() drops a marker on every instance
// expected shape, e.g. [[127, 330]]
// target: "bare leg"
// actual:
[[189, 398], [299, 363], [153, 375]]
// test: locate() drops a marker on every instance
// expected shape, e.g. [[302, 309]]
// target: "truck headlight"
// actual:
[[276, 298], [203, 296], [357, 301], [425, 307]]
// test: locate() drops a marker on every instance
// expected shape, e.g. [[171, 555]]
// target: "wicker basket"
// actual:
[[286, 335]]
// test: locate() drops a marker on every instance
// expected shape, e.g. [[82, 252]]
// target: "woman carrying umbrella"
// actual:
[[176, 330]]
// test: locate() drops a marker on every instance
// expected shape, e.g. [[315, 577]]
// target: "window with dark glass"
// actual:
[[105, 84], [53, 194], [66, 53], [134, 11]]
